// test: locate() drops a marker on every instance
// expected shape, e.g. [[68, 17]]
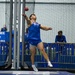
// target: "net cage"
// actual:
[[59, 16], [5, 51]]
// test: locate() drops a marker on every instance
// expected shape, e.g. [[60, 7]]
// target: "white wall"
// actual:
[[59, 17]]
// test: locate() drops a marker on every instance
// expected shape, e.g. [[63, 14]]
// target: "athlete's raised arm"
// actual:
[[27, 19], [45, 27]]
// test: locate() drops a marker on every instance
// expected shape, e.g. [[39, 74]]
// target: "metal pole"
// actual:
[[6, 13], [18, 45], [15, 46], [10, 29], [34, 6], [23, 32]]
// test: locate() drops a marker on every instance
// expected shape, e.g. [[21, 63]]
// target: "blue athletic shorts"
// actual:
[[34, 42]]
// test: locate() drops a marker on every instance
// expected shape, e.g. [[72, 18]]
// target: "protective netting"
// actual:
[[59, 16]]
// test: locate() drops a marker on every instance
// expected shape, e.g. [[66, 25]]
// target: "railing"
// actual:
[[5, 55], [4, 49], [62, 55]]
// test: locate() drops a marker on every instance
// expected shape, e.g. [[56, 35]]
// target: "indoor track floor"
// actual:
[[35, 73]]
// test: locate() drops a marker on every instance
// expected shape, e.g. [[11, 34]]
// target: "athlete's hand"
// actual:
[[49, 28], [23, 15]]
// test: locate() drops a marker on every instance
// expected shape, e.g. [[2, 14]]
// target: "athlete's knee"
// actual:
[[42, 50], [32, 53]]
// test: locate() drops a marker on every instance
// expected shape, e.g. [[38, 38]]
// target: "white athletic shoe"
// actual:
[[50, 65], [34, 68]]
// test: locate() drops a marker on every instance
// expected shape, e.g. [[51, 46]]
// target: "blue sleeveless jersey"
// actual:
[[34, 32]]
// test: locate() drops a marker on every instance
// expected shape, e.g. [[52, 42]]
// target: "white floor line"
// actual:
[[6, 72], [29, 72]]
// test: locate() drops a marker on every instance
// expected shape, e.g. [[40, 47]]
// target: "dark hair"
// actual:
[[26, 30], [4, 29], [31, 16], [60, 32]]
